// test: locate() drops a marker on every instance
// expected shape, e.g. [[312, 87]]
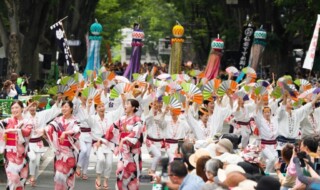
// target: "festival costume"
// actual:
[[105, 151], [175, 131], [216, 120], [85, 138], [65, 152], [268, 132], [129, 130], [15, 153], [242, 122], [36, 147], [290, 123], [155, 136], [310, 125]]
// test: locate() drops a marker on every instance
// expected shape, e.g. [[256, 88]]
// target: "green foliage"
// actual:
[[155, 17]]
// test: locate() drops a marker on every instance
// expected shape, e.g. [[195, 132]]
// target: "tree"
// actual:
[[25, 29]]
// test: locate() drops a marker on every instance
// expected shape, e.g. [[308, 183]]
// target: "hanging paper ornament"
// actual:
[[93, 61], [134, 65], [213, 63], [176, 49]]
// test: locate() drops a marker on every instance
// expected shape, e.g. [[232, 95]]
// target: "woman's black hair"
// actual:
[[17, 102], [70, 103], [134, 103]]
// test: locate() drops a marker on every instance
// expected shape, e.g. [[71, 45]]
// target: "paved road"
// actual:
[[45, 179]]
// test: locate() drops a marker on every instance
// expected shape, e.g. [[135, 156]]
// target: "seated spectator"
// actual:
[[267, 183], [178, 174], [200, 167], [211, 168]]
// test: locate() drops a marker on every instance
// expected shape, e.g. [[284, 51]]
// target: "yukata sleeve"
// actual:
[[194, 125], [303, 111], [47, 115], [26, 130], [112, 133]]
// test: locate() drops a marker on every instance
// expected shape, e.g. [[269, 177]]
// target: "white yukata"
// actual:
[[85, 139], [290, 124], [155, 135], [110, 104], [241, 122], [310, 125], [268, 132], [175, 131], [104, 152], [216, 120], [36, 147], [201, 132]]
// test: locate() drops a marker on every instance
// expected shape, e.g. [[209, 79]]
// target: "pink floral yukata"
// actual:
[[130, 163]]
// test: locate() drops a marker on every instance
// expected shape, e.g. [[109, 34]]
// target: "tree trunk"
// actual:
[[13, 46], [33, 28]]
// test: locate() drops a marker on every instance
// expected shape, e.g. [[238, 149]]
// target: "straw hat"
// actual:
[[225, 145], [195, 156]]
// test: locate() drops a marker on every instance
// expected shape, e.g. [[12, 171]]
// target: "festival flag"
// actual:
[[93, 61], [62, 42], [245, 46], [308, 61], [134, 65]]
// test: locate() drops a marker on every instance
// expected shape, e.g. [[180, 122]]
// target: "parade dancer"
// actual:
[[17, 132], [242, 120], [268, 130], [155, 134], [82, 112], [39, 121], [60, 137], [219, 114], [290, 119], [177, 129], [128, 130], [103, 148], [310, 125]]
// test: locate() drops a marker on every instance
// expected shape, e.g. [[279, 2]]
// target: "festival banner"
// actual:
[[308, 61], [62, 42]]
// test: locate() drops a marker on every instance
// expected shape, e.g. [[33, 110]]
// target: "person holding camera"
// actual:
[[8, 90]]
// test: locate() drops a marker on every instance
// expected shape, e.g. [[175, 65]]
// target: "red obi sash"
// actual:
[[124, 134], [11, 139], [65, 142]]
